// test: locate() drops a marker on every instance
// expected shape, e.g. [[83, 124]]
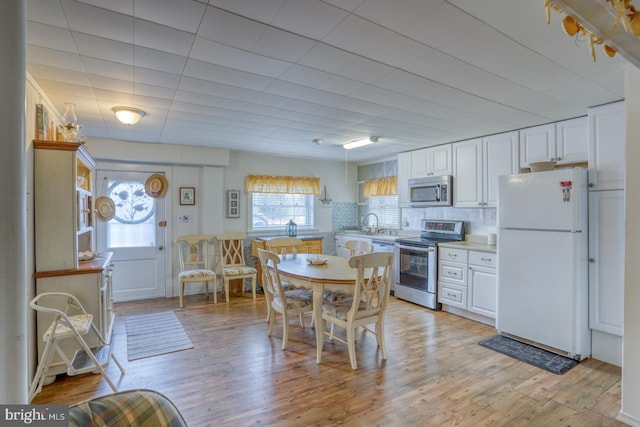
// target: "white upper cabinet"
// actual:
[[431, 161], [537, 144], [467, 171], [565, 142], [572, 140], [477, 165], [499, 157], [606, 146], [404, 173]]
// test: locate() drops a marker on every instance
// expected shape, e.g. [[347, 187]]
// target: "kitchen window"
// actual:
[[386, 208], [275, 200], [382, 197], [271, 211]]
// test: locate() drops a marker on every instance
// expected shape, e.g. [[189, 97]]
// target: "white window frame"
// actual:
[[387, 210], [281, 223]]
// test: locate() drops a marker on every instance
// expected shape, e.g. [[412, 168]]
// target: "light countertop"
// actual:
[[476, 245], [380, 236]]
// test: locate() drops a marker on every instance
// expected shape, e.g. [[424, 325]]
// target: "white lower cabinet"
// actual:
[[482, 283], [467, 283], [452, 277]]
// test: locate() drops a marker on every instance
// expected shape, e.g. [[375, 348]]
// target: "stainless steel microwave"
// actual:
[[431, 191]]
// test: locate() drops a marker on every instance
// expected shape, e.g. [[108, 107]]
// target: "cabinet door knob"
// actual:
[[592, 260], [590, 185], [160, 248]]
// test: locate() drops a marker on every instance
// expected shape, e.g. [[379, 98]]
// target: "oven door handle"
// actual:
[[416, 248]]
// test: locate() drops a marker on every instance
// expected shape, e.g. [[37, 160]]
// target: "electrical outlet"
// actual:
[[184, 218]]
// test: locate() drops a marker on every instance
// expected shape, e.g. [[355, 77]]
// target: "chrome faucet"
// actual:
[[365, 223]]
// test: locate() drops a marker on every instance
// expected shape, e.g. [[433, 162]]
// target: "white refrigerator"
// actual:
[[542, 260]]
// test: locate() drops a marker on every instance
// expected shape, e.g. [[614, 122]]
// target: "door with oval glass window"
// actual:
[[134, 235]]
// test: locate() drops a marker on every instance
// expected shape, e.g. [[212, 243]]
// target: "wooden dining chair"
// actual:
[[193, 254], [366, 306], [358, 247], [355, 247], [284, 245], [289, 302], [232, 261]]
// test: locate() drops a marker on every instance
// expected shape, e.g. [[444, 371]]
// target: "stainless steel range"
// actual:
[[416, 261]]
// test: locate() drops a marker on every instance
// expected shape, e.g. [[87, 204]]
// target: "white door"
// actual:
[[136, 236]]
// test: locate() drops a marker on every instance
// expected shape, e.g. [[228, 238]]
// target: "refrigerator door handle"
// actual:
[[540, 229]]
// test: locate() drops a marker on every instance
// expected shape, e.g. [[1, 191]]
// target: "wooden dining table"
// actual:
[[334, 274]]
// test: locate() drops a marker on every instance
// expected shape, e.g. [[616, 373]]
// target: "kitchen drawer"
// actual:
[[484, 259], [453, 272], [451, 254], [452, 295]]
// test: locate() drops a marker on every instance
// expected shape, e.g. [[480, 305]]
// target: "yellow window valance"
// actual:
[[381, 187], [283, 184]]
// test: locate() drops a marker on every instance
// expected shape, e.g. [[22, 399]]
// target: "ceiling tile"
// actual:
[[282, 45], [184, 15], [215, 53], [259, 10], [215, 73], [230, 29], [309, 18]]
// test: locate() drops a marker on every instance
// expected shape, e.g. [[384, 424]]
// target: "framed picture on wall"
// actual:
[[187, 195], [233, 204]]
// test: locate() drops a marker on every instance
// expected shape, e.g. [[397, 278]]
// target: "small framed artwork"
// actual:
[[187, 195], [233, 204]]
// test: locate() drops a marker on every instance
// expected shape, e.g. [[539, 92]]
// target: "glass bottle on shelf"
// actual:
[[69, 123]]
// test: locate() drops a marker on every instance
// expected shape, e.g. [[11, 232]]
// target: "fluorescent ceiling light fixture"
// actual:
[[128, 115], [360, 142]]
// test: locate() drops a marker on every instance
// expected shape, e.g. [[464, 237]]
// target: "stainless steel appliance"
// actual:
[[416, 259], [431, 191]]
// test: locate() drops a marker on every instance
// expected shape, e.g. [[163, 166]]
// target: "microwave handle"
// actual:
[[438, 192]]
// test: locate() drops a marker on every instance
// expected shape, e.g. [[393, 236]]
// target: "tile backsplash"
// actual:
[[481, 221], [344, 215]]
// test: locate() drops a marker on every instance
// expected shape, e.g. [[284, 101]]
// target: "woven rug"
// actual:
[[154, 334], [535, 356]]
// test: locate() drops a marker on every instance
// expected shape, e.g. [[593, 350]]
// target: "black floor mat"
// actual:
[[535, 356]]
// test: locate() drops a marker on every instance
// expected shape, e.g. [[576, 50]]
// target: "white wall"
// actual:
[[341, 186], [630, 411], [211, 172]]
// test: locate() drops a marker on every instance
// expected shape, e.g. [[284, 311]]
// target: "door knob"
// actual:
[[160, 248], [592, 260]]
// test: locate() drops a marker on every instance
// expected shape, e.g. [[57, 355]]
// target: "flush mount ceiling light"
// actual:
[[360, 142], [128, 115]]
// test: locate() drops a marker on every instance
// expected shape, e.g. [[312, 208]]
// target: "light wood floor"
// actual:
[[435, 374]]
